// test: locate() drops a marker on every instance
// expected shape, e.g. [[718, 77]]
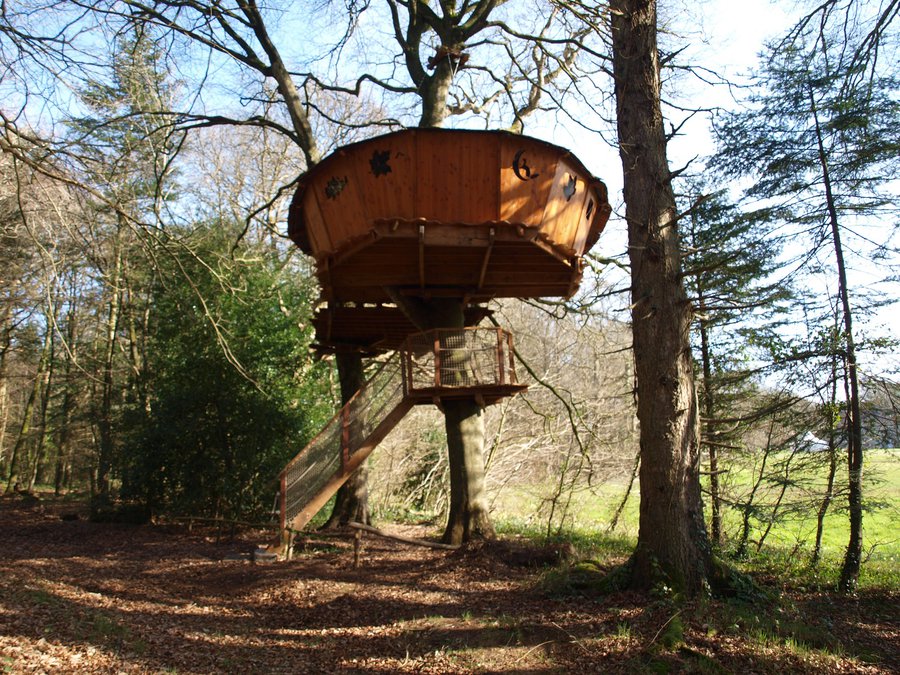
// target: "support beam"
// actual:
[[487, 258], [421, 256]]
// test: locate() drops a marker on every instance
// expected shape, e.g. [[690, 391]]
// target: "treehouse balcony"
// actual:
[[467, 363]]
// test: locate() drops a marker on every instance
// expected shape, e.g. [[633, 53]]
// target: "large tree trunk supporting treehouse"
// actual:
[[672, 543], [469, 518], [351, 503], [434, 94]]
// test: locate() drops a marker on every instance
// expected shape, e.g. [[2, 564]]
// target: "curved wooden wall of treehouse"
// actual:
[[437, 212]]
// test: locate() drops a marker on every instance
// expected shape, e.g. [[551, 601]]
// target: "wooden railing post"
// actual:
[[282, 503], [406, 367], [437, 358], [500, 356]]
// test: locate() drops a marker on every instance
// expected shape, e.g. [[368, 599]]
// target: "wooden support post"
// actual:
[[422, 256], [500, 357], [406, 368], [487, 258], [358, 457], [287, 543], [437, 359]]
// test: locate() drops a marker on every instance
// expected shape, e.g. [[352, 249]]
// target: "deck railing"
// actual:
[[443, 361], [334, 446]]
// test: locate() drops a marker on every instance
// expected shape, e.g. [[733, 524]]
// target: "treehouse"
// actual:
[[442, 213], [421, 220]]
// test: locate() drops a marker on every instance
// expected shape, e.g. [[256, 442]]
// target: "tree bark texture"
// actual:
[[4, 390], [434, 94], [469, 517], [351, 503], [102, 497], [672, 543], [46, 385], [67, 408]]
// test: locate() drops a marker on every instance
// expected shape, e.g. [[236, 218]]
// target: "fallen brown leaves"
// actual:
[[78, 597]]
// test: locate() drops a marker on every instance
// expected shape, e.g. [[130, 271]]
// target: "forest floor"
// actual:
[[81, 597]]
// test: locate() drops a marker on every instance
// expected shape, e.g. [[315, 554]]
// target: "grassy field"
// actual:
[[788, 546]]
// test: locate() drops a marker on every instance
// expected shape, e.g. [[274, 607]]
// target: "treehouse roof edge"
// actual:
[[481, 213]]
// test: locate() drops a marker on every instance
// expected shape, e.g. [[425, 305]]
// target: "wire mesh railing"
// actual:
[[467, 358], [327, 454]]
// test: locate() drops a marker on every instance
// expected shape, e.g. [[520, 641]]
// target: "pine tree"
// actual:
[[730, 272], [223, 419], [126, 154], [820, 154]]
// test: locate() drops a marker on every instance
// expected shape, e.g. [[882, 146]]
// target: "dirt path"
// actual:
[[78, 597]]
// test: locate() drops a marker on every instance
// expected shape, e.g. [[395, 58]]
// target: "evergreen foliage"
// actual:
[[731, 273], [821, 148], [235, 393]]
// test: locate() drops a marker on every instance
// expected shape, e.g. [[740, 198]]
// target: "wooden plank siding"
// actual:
[[471, 214], [523, 200]]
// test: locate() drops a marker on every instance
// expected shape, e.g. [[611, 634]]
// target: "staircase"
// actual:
[[439, 364], [315, 474]]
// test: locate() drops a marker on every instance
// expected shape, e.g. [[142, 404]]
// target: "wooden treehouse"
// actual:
[[435, 212], [428, 214]]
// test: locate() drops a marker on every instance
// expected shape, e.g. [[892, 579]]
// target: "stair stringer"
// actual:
[[359, 455], [309, 480]]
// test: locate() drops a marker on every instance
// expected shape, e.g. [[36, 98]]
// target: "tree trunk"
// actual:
[[351, 503], [708, 402], [709, 413], [28, 414], [469, 517], [64, 437], [46, 384], [748, 506], [101, 498], [853, 557], [4, 392], [434, 94], [672, 543], [832, 466]]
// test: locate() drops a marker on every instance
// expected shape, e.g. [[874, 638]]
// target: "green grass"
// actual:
[[881, 490], [582, 513], [787, 549]]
